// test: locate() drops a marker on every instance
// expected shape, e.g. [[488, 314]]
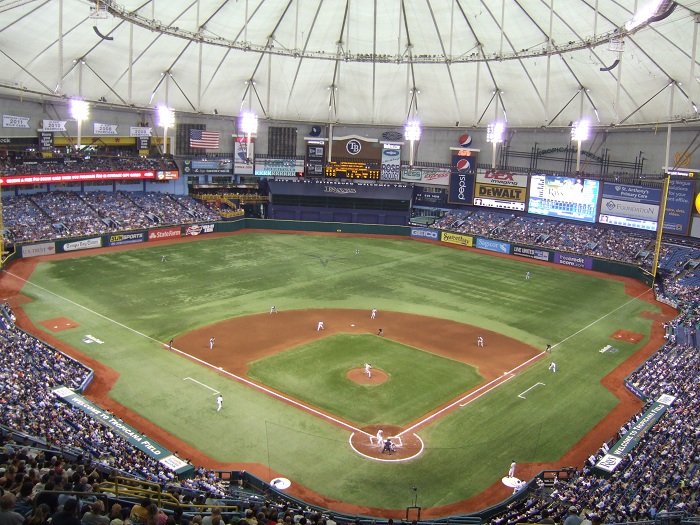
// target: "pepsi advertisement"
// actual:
[[462, 177]]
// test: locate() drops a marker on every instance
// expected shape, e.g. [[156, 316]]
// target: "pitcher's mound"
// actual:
[[357, 375]]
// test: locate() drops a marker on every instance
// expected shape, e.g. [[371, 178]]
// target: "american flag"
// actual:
[[202, 139]]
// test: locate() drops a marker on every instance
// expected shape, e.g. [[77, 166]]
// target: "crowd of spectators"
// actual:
[[61, 214], [36, 165], [662, 474]]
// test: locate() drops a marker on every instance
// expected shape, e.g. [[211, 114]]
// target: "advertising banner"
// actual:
[[208, 166], [461, 188], [84, 244], [629, 193], [199, 229], [633, 210], [493, 246], [678, 206], [578, 261], [531, 253], [456, 238], [13, 180], [243, 157], [165, 233], [126, 238], [391, 162], [315, 159], [104, 129], [278, 167], [502, 178], [134, 437], [634, 435], [425, 233], [11, 121], [426, 176], [36, 250]]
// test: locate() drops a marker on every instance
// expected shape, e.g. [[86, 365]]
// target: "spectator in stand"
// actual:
[[96, 514], [8, 516]]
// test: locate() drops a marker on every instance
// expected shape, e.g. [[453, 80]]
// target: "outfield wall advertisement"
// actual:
[[457, 238], [425, 233], [493, 246], [37, 250], [165, 233], [135, 438], [531, 253], [126, 238], [199, 229], [577, 261]]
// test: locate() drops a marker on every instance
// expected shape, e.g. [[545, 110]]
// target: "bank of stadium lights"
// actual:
[[646, 12], [166, 118], [79, 110], [494, 134], [249, 124], [579, 132], [411, 132]]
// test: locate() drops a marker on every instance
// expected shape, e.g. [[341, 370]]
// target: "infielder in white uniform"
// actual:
[[320, 326], [511, 472], [211, 343], [219, 402], [273, 310], [479, 341], [374, 313], [553, 366], [368, 369]]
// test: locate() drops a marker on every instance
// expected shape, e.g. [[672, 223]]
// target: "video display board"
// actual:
[[564, 197], [630, 206]]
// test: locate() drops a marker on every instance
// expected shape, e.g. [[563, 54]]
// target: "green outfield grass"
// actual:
[[135, 303], [316, 373]]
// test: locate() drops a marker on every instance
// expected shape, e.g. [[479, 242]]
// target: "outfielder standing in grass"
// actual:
[[219, 402]]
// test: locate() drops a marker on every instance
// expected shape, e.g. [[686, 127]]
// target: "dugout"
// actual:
[[339, 201]]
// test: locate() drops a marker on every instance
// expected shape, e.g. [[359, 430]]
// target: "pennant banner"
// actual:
[[53, 125], [11, 121], [104, 129]]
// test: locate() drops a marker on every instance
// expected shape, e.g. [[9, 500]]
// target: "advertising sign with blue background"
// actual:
[[678, 205]]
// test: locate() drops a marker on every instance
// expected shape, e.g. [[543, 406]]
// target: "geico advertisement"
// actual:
[[505, 193]]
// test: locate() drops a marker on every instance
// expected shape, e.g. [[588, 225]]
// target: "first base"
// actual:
[[352, 325]]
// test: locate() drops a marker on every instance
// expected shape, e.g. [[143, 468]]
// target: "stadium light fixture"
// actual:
[[494, 134], [579, 132], [411, 131], [166, 118], [249, 124], [642, 16], [79, 110]]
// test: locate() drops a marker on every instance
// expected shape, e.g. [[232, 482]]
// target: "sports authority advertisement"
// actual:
[[456, 238], [391, 162], [564, 197], [15, 180], [577, 261], [493, 246], [630, 206], [531, 253], [678, 206], [84, 244], [425, 233], [199, 229], [37, 250], [165, 233], [426, 176], [126, 238]]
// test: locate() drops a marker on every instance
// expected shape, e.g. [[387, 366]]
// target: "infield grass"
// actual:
[[317, 373], [135, 303]]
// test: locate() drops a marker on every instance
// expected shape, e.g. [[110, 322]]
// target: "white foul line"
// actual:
[[218, 369], [202, 384]]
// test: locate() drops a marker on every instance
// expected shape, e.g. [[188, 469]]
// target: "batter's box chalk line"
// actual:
[[521, 395]]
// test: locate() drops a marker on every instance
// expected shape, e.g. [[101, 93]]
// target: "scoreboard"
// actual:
[[351, 170]]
